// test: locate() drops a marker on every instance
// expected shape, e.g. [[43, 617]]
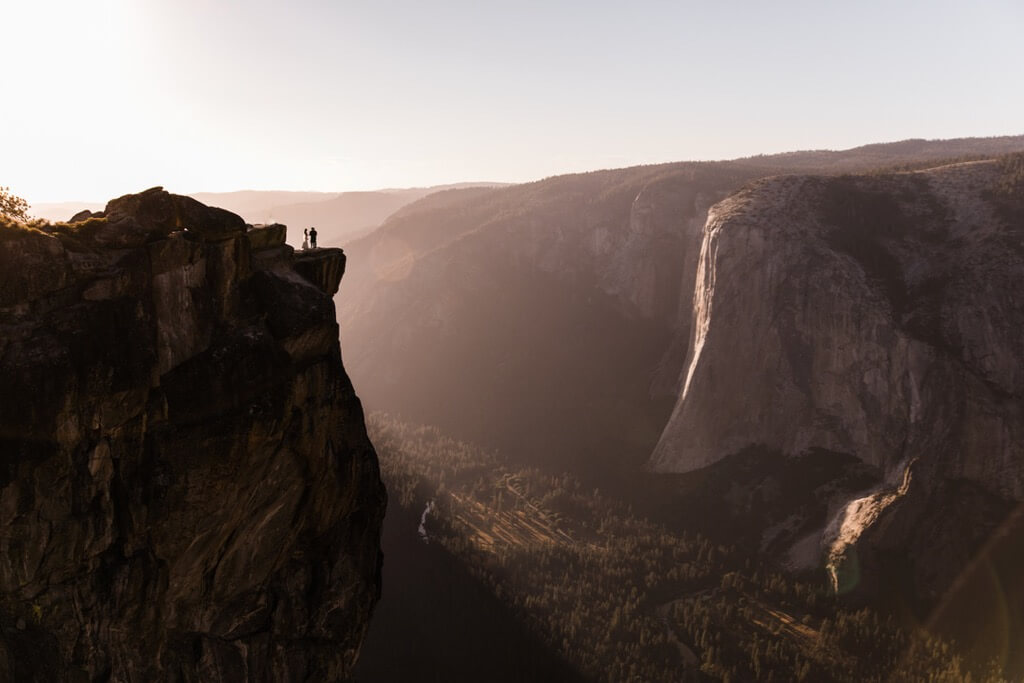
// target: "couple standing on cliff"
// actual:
[[310, 239]]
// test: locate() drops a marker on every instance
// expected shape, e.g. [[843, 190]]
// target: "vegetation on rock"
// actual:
[[624, 598], [12, 206]]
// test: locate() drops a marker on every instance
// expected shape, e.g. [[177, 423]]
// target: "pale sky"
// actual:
[[104, 97]]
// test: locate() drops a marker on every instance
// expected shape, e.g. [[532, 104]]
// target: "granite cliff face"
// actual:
[[187, 491], [535, 318], [552, 320], [874, 316]]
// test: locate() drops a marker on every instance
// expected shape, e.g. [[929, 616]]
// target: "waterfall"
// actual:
[[423, 522]]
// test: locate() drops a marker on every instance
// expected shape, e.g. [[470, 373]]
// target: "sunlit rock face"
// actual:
[[553, 319], [187, 491], [878, 316], [535, 318]]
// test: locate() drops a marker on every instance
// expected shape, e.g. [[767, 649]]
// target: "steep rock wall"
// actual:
[[877, 316], [552, 304], [187, 491]]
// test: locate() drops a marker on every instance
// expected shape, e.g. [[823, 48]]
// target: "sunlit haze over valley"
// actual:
[[521, 342]]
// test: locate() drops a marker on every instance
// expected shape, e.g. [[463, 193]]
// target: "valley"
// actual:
[[719, 410], [613, 593]]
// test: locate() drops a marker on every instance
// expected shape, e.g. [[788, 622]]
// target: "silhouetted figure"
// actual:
[[305, 240], [312, 238]]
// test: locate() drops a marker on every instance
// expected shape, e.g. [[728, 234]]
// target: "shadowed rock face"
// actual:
[[551, 320], [187, 491], [876, 316]]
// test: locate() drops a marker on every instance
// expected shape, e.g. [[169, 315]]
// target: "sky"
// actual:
[[107, 97]]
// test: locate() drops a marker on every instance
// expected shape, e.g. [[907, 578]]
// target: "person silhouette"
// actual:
[[305, 240], [312, 238]]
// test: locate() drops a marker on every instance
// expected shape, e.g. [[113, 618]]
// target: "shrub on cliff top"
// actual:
[[12, 206], [13, 228]]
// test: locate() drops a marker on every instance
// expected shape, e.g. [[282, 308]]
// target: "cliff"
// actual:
[[552, 319], [538, 314], [187, 491], [874, 316]]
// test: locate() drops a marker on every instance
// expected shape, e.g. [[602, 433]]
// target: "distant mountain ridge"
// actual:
[[881, 154], [338, 217]]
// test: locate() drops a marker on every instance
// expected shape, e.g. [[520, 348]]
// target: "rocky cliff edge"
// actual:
[[187, 491]]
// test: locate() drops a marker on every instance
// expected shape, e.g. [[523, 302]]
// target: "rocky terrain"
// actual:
[[187, 491], [339, 217], [876, 316]]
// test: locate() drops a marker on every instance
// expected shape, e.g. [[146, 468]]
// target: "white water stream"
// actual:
[[423, 522]]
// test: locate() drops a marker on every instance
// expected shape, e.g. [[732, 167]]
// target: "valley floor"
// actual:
[[530, 576]]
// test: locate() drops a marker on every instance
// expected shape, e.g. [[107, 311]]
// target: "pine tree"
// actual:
[[13, 206]]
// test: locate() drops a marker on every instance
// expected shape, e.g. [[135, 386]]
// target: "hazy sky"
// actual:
[[104, 97]]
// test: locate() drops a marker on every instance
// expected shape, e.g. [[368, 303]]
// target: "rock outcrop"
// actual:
[[187, 491], [877, 316]]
